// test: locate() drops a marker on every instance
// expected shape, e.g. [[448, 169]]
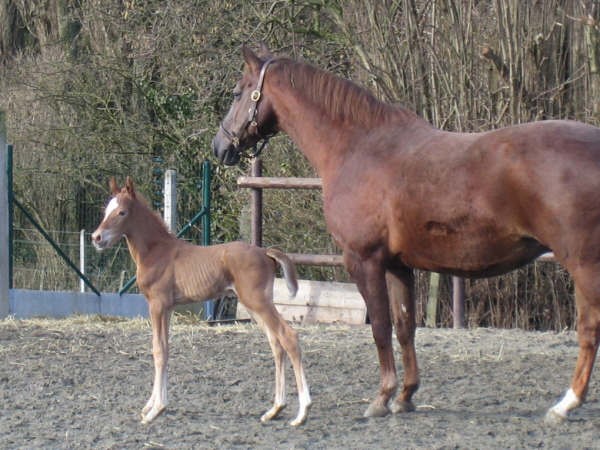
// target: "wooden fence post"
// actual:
[[432, 300], [4, 244], [458, 298], [256, 224]]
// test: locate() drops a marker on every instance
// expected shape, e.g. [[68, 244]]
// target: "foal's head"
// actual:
[[251, 117], [116, 216]]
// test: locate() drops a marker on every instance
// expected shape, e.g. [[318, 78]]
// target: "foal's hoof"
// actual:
[[401, 406], [151, 415], [376, 410], [553, 418], [272, 413]]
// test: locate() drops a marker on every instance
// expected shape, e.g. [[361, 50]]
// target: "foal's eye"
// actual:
[[122, 213], [237, 94]]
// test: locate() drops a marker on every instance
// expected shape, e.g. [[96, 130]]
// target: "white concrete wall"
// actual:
[[26, 304]]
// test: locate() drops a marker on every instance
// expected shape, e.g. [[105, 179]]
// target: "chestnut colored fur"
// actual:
[[400, 194], [172, 271]]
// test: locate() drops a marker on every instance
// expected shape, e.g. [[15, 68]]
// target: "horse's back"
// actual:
[[475, 204]]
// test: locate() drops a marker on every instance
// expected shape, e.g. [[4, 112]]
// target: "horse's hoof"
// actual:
[[553, 418], [376, 410], [401, 406]]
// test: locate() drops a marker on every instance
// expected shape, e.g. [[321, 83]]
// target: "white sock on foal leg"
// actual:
[[562, 408]]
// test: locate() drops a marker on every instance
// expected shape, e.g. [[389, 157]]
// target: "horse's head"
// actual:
[[114, 225], [250, 118]]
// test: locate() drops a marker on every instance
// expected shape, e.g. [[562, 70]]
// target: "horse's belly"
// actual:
[[473, 258]]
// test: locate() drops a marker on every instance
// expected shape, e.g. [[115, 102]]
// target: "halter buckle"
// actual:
[[255, 95]]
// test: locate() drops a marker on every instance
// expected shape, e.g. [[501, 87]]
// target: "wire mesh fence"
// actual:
[[37, 265]]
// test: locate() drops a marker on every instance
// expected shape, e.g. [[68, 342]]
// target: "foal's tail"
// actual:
[[289, 269]]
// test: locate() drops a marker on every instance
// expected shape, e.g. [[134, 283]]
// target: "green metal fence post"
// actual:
[[210, 305], [206, 181], [11, 213]]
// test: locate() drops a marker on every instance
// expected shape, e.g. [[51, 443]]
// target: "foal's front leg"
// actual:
[[157, 403]]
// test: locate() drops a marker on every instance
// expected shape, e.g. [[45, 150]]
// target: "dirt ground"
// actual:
[[81, 383]]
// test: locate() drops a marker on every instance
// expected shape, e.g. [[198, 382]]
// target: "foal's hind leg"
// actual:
[[587, 298], [287, 338], [402, 304], [279, 356]]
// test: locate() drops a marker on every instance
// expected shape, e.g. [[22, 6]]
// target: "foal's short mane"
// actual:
[[153, 217], [341, 99]]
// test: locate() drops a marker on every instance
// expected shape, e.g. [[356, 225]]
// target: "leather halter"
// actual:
[[255, 97]]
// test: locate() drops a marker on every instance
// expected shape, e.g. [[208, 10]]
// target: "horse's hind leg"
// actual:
[[587, 298], [287, 338], [402, 305]]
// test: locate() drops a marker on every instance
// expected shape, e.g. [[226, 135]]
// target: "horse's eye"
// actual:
[[122, 213], [237, 94]]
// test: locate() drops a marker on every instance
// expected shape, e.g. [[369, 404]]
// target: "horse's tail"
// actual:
[[289, 269]]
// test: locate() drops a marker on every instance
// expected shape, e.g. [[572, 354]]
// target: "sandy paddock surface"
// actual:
[[81, 383]]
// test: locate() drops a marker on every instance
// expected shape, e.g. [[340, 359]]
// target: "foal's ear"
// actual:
[[264, 51], [112, 185], [253, 62], [129, 187]]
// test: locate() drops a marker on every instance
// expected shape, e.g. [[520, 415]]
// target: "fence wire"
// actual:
[[36, 265]]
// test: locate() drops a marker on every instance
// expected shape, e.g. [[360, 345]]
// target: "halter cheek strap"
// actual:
[[255, 97], [257, 93]]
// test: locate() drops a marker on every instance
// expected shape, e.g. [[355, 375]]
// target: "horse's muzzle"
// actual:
[[225, 152]]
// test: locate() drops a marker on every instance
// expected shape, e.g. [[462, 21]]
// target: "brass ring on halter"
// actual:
[[255, 96]]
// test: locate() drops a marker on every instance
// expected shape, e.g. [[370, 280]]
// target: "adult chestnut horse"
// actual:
[[401, 194], [171, 271]]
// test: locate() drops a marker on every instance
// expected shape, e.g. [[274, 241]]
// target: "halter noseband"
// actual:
[[255, 97]]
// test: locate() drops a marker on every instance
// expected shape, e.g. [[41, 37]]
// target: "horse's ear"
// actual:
[[253, 62], [129, 187], [112, 185]]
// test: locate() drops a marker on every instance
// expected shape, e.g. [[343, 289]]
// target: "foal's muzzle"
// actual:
[[103, 240]]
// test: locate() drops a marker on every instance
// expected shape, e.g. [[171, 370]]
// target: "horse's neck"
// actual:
[[146, 235], [322, 145], [324, 140]]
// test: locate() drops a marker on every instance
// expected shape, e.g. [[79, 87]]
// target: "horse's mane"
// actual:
[[338, 98]]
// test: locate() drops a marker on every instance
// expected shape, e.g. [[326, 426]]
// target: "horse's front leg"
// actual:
[[400, 283], [369, 276], [157, 403]]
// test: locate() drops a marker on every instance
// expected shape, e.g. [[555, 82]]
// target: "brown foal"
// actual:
[[171, 272]]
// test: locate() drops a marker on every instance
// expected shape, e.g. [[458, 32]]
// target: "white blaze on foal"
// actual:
[[112, 205]]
